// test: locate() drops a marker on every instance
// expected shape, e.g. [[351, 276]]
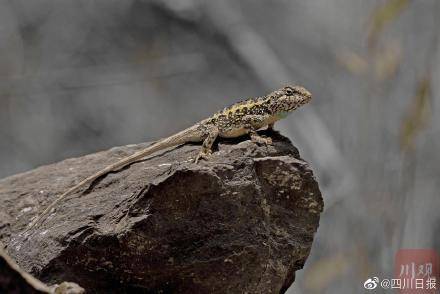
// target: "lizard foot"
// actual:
[[202, 155], [261, 140]]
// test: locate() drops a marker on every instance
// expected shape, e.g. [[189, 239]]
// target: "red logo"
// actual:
[[416, 271]]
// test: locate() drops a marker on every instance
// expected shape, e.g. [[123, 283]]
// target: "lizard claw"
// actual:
[[268, 141], [202, 155]]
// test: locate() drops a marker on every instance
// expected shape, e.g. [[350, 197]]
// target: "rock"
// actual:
[[242, 222], [15, 280]]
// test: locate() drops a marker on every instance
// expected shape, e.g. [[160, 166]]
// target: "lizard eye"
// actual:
[[288, 91]]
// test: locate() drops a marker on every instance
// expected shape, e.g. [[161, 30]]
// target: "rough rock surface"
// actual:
[[15, 280], [242, 222]]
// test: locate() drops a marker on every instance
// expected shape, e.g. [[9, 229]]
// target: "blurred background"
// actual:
[[81, 76]]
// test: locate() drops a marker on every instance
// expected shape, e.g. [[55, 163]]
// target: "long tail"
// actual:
[[182, 137]]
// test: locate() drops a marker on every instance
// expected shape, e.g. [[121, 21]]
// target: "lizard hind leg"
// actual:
[[206, 151]]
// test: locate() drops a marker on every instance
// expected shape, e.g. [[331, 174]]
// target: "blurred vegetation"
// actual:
[[382, 16], [418, 115]]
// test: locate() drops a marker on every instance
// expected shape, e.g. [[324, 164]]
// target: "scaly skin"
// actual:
[[245, 117]]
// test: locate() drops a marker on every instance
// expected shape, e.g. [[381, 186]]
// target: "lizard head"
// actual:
[[290, 98]]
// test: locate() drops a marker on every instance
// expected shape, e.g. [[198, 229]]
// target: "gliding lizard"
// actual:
[[242, 118]]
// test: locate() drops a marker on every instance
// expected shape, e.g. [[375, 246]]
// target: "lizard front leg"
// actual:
[[206, 151], [254, 122], [259, 139]]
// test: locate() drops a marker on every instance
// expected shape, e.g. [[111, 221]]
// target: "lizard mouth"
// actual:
[[307, 96]]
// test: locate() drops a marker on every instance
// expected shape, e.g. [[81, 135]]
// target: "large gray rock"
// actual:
[[242, 222]]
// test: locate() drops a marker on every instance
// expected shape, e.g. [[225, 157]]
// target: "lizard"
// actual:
[[245, 117]]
